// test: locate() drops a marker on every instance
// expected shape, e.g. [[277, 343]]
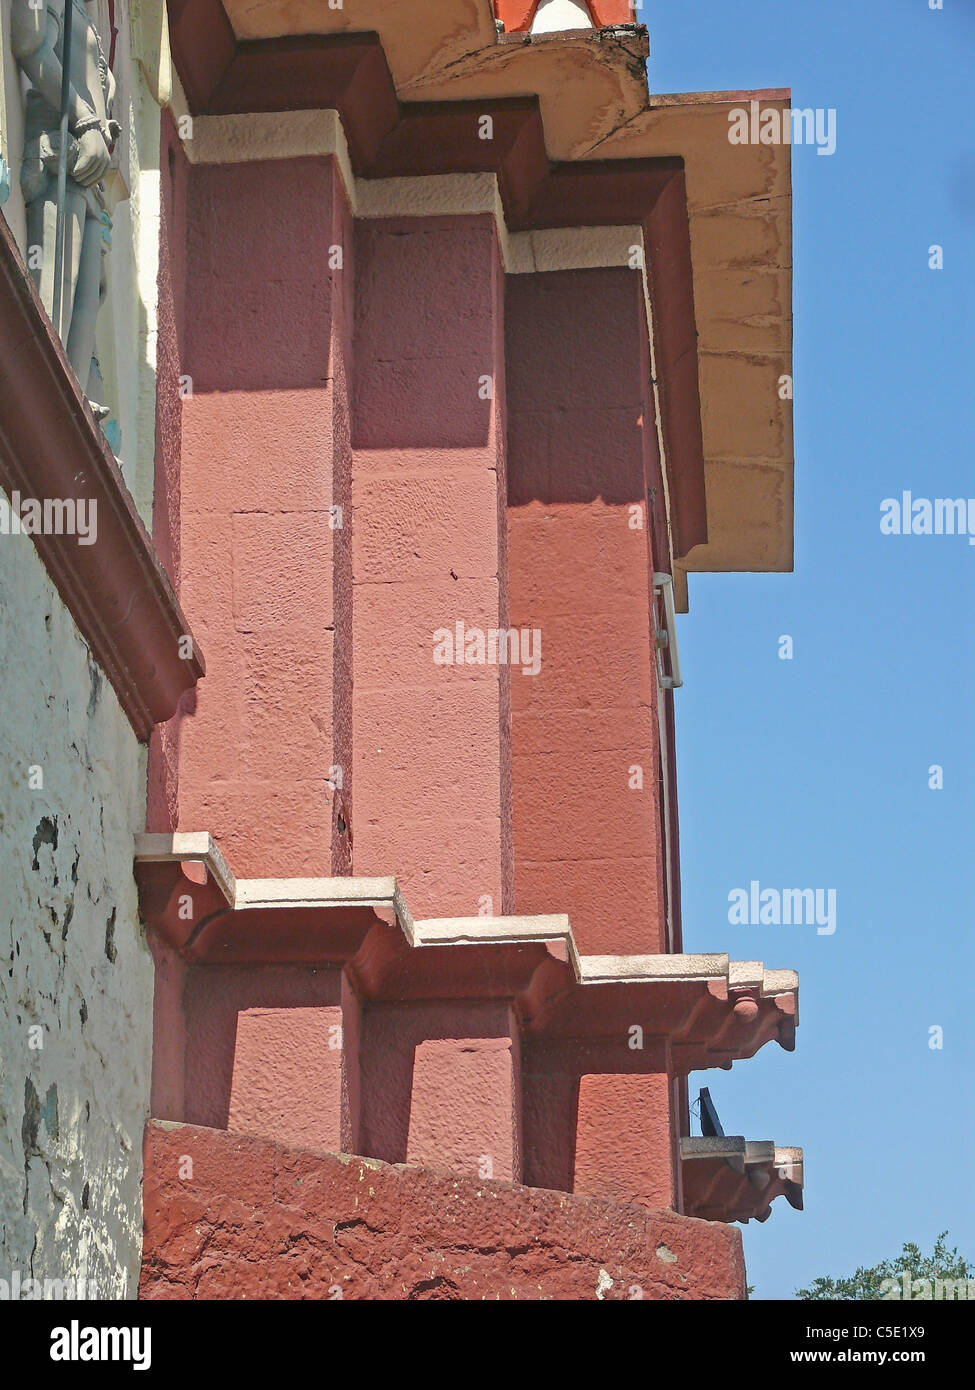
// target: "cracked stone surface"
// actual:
[[231, 1216], [75, 973]]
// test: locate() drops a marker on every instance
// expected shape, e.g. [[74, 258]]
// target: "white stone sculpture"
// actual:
[[37, 31]]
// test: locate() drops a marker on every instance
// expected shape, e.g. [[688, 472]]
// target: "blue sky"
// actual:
[[814, 772]]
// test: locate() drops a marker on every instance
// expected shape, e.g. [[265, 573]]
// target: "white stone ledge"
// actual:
[[384, 893], [241, 138], [188, 847], [480, 931]]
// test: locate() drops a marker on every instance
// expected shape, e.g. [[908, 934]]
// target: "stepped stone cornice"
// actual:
[[711, 1010]]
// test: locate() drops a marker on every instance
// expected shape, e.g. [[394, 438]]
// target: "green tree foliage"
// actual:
[[942, 1263]]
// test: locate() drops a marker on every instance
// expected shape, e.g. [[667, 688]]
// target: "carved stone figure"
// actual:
[[37, 31]]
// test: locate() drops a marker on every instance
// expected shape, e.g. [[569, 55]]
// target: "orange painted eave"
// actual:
[[773, 94]]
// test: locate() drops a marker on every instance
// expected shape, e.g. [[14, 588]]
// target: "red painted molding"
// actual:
[[344, 72], [721, 1189], [50, 447], [517, 15], [608, 12]]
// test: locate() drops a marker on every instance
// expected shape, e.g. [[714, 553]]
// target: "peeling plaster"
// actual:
[[75, 973]]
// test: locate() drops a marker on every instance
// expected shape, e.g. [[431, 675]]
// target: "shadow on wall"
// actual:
[[424, 355], [574, 342], [266, 1056]]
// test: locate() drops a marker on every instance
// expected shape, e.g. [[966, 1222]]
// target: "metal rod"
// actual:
[[62, 166], [664, 584]]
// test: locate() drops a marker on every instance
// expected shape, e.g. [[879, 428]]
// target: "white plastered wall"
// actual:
[[75, 972], [76, 977]]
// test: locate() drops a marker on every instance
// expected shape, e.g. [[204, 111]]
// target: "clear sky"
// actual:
[[814, 772]]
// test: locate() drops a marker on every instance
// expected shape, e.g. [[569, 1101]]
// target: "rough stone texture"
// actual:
[[624, 1139], [75, 973], [263, 1052], [440, 1085], [234, 1217]]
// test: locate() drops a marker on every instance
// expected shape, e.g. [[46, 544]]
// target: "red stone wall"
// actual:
[[481, 788], [232, 1217]]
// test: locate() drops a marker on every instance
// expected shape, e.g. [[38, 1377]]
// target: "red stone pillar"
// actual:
[[601, 1120], [584, 499], [431, 740], [265, 456], [440, 1086], [624, 1139], [265, 1052], [254, 498]]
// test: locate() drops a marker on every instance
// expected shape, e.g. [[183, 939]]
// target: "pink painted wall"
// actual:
[[623, 1140], [247, 468], [600, 1119], [440, 1086], [265, 445], [585, 518]]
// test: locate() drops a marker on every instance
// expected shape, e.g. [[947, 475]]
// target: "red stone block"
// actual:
[[261, 1220], [624, 1144]]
